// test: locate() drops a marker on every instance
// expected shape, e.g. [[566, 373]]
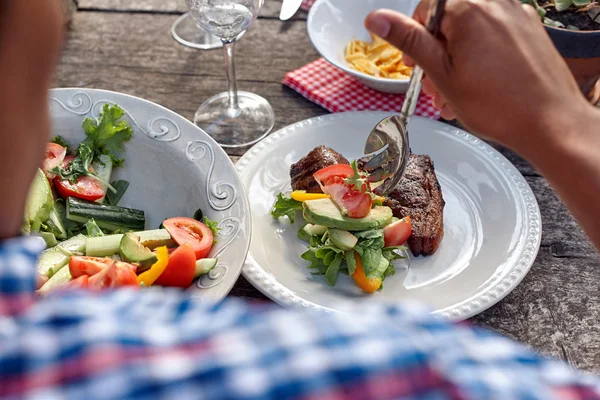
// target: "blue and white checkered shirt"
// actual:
[[132, 344]]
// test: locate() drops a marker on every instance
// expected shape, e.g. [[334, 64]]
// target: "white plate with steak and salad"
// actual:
[[458, 233], [131, 195]]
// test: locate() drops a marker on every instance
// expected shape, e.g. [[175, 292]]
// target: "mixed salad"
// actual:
[[93, 242], [347, 228]]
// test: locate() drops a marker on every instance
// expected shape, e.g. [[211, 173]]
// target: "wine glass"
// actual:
[[232, 118], [186, 32]]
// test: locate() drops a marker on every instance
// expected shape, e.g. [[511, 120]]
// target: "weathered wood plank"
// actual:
[[134, 53], [555, 310], [556, 307], [270, 9]]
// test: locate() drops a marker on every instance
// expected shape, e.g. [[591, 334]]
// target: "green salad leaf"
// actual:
[[333, 270], [104, 135], [302, 235], [328, 260], [286, 207], [213, 226], [93, 230], [113, 198]]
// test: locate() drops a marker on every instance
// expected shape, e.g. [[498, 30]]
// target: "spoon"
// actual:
[[387, 148]]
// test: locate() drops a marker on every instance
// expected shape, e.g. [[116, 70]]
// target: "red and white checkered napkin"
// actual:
[[337, 91], [307, 4]]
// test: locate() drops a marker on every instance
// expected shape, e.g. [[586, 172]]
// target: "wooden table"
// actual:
[[126, 46]]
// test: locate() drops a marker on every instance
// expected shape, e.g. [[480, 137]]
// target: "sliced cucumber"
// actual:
[[55, 218], [204, 265], [343, 240], [60, 278], [108, 245], [39, 202], [132, 250], [107, 217], [52, 260], [103, 170], [315, 230], [49, 238]]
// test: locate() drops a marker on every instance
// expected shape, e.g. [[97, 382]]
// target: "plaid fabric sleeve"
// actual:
[[17, 273], [160, 344]]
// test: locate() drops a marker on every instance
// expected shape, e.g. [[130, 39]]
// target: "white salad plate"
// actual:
[[174, 168], [492, 223]]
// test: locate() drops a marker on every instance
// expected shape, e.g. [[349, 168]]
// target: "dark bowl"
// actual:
[[575, 44]]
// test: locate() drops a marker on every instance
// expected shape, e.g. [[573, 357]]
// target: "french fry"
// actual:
[[377, 58]]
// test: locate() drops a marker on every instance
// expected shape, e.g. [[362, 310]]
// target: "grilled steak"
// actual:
[[319, 158], [419, 196]]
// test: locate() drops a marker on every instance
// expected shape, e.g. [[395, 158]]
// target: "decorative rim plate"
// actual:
[[492, 220], [183, 169]]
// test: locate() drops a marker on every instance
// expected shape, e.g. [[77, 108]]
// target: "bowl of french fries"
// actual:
[[336, 29]]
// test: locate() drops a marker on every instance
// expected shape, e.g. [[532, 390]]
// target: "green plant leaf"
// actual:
[[93, 230], [562, 5], [334, 268], [315, 262], [286, 207], [302, 235], [113, 198], [351, 262], [553, 23]]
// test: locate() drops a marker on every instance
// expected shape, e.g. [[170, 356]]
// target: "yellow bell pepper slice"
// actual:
[[301, 195], [150, 276]]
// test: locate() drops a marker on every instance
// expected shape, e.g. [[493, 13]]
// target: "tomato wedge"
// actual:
[[55, 154], [79, 283], [191, 232], [180, 270], [104, 279], [322, 176], [397, 233], [126, 275], [115, 275], [354, 202], [90, 266], [86, 187]]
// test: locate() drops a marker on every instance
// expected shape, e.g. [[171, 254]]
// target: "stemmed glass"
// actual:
[[232, 118], [186, 32]]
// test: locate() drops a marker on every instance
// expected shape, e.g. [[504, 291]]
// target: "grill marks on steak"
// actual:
[[319, 158], [419, 196]]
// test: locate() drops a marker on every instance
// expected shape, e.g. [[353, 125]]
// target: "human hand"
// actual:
[[494, 67]]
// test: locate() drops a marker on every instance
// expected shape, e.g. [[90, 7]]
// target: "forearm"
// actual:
[[30, 38], [568, 156]]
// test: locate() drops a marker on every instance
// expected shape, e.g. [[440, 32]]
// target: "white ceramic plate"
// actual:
[[173, 168], [332, 24], [491, 219]]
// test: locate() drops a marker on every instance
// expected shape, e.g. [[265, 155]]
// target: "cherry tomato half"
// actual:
[[191, 232], [86, 187]]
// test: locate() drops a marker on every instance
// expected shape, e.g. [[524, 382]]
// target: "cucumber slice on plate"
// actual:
[[204, 265], [107, 217], [60, 278], [54, 259], [105, 246], [315, 230]]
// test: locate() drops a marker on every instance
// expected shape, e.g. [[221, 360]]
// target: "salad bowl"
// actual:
[[173, 169]]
